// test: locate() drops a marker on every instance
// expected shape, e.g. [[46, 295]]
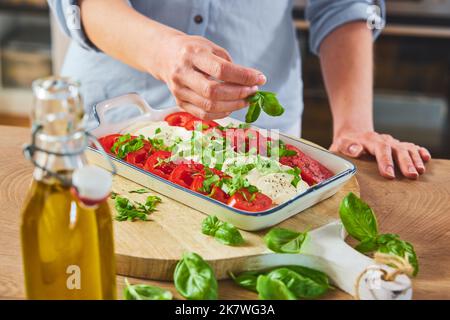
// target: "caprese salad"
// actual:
[[233, 164]]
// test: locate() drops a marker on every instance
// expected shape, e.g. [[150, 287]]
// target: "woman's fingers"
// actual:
[[425, 154], [383, 154], [214, 90], [210, 106], [200, 113], [348, 147], [417, 159], [405, 162], [226, 71]]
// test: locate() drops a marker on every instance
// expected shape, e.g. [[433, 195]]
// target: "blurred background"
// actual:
[[412, 70]]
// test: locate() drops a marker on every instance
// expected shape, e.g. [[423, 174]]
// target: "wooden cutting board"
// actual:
[[150, 249]]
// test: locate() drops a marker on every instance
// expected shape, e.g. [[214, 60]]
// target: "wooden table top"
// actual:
[[417, 210]]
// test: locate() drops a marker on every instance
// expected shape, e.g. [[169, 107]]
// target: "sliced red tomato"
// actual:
[[179, 119], [312, 171], [184, 174], [253, 202], [206, 124], [138, 158], [215, 193], [108, 141], [156, 165]]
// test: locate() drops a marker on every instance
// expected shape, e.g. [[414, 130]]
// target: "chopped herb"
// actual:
[[113, 195], [296, 173], [128, 210], [158, 130], [140, 191], [125, 144]]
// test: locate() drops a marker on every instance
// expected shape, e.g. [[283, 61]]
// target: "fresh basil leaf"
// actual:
[[210, 225], [270, 104], [316, 275], [194, 278], [253, 112], [272, 289], [145, 292], [224, 232], [367, 245], [284, 240], [229, 235], [113, 195], [358, 218], [303, 287], [391, 244], [246, 279]]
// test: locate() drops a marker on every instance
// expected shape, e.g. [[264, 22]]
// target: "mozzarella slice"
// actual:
[[277, 186], [168, 134]]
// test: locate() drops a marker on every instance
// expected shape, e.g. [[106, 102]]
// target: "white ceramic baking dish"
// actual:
[[104, 113]]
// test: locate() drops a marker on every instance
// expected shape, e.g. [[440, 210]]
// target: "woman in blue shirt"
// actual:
[[207, 56]]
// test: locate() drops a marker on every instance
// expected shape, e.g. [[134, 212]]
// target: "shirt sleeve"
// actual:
[[326, 15], [67, 13]]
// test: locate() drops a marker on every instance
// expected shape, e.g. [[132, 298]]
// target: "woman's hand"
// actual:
[[203, 78], [409, 157]]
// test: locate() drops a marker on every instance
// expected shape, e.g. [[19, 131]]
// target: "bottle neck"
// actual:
[[62, 155]]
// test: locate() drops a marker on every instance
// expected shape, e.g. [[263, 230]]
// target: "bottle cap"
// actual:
[[91, 184]]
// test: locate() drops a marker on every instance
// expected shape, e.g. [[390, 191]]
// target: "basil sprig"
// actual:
[[288, 282], [282, 240], [223, 232], [145, 292], [360, 222], [128, 210], [194, 278], [265, 101]]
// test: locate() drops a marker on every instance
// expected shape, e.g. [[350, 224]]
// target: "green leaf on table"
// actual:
[[300, 285], [194, 278], [273, 289], [367, 245], [392, 244], [223, 232], [282, 240], [358, 218], [247, 279], [145, 292]]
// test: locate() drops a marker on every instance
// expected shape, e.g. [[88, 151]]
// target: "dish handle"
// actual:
[[134, 99]]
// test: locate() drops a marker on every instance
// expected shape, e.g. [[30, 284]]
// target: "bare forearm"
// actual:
[[346, 57], [123, 33]]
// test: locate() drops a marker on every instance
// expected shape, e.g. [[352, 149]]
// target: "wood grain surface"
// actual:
[[151, 249], [417, 210]]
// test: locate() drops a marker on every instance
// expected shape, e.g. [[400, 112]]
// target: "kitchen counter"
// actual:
[[417, 210]]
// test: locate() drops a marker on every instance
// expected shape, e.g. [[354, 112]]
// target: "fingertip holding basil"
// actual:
[[224, 232], [194, 278], [282, 240], [145, 292], [360, 222], [263, 101]]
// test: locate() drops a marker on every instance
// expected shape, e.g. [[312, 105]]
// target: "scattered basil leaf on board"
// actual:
[[139, 191], [128, 210], [263, 100], [194, 278], [223, 232], [302, 287], [392, 244], [273, 289], [145, 292], [358, 218], [282, 240], [125, 144], [360, 222], [113, 195]]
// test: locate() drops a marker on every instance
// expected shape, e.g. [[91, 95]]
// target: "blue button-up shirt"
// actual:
[[257, 33]]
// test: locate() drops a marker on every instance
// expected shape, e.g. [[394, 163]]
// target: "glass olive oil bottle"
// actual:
[[66, 229]]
